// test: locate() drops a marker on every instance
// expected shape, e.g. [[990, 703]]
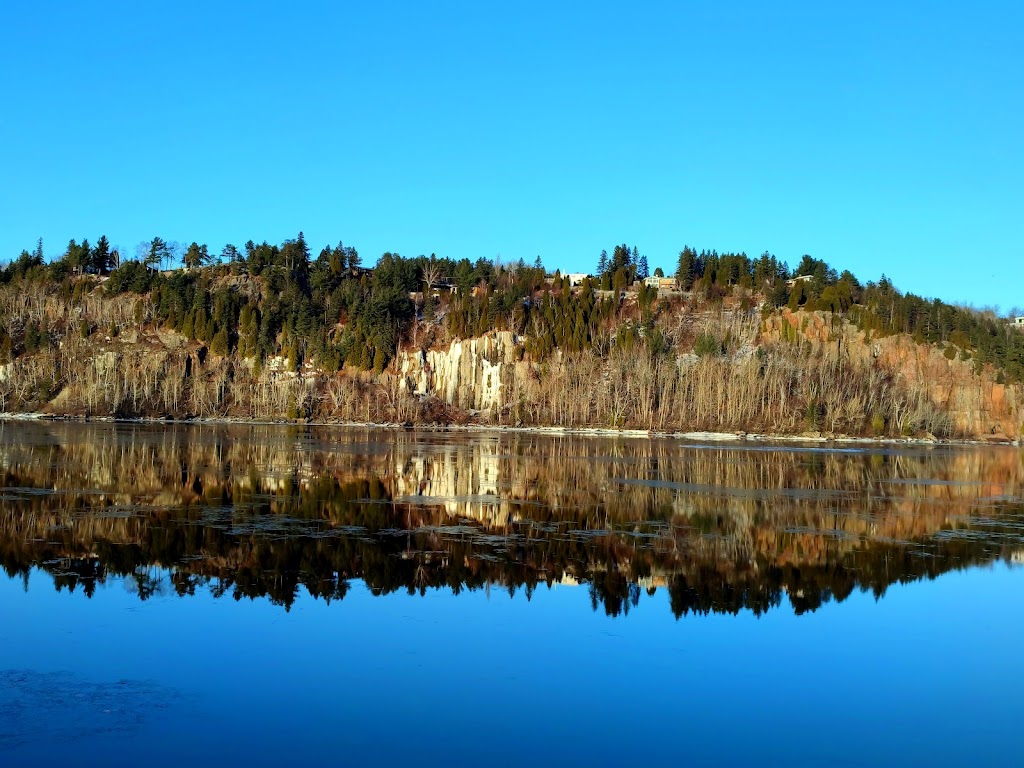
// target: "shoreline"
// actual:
[[812, 438]]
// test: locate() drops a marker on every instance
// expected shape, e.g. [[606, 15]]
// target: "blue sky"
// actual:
[[881, 137]]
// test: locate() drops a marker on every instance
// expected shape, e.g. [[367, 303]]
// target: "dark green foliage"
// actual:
[[78, 257], [155, 254], [707, 346], [334, 313], [778, 294], [37, 337], [642, 271], [645, 297], [566, 320], [131, 276], [101, 259], [196, 256], [27, 265], [797, 296], [230, 254], [688, 269]]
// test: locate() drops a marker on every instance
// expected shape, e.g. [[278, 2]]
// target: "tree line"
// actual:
[[876, 307], [267, 300]]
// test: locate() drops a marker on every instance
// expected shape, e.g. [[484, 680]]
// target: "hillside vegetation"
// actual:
[[726, 342]]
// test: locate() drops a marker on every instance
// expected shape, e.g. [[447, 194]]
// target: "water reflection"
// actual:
[[261, 511]]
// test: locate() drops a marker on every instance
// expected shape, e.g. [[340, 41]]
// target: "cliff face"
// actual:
[[469, 374], [905, 382], [975, 401], [784, 373]]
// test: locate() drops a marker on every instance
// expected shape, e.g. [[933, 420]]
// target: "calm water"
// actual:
[[267, 596]]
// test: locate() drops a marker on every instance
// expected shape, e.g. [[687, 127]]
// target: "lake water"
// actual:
[[259, 595]]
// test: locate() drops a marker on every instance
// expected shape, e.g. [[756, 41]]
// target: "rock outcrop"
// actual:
[[977, 403], [469, 374]]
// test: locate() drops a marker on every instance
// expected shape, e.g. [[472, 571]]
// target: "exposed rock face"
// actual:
[[977, 403], [468, 374]]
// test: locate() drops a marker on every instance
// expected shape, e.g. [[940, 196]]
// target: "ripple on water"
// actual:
[[60, 706]]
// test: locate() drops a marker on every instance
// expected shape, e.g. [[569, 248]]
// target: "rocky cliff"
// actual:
[[469, 374], [693, 367], [973, 397]]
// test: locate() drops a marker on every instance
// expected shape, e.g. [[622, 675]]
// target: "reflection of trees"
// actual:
[[264, 512]]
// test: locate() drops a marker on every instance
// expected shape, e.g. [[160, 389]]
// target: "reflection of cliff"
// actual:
[[261, 510]]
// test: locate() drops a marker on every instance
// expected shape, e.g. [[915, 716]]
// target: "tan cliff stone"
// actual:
[[468, 374], [977, 403]]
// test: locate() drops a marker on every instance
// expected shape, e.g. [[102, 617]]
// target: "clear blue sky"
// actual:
[[881, 137]]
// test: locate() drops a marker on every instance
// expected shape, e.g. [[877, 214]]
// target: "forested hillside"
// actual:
[[723, 342]]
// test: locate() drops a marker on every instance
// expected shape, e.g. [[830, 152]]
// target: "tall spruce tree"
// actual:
[[686, 271], [101, 261]]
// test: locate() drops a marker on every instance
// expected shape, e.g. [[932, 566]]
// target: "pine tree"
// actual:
[[620, 258], [188, 328], [71, 255], [84, 257], [77, 256], [102, 260], [687, 268], [230, 254], [156, 253], [339, 259], [196, 256], [219, 344]]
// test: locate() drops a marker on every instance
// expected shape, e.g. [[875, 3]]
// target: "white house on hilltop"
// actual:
[[800, 279]]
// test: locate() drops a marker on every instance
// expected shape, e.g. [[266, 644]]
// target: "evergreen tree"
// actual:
[[339, 259], [778, 295], [622, 258], [102, 260], [78, 256], [300, 259], [84, 260], [641, 268], [72, 254], [155, 253], [196, 256], [764, 270], [219, 343], [686, 271]]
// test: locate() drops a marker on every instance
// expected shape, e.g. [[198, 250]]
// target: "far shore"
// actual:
[[814, 438]]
